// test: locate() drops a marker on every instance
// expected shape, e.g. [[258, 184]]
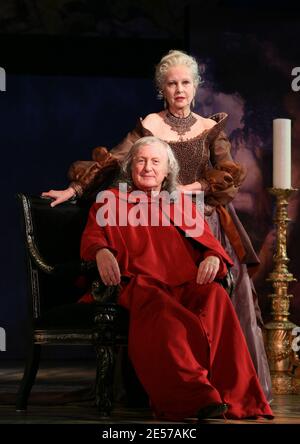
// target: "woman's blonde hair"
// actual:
[[175, 58]]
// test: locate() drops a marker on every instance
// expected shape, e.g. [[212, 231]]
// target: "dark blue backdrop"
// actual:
[[46, 123]]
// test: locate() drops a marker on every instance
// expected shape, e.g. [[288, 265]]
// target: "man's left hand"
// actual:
[[208, 270]]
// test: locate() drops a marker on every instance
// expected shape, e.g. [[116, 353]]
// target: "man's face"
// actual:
[[149, 167]]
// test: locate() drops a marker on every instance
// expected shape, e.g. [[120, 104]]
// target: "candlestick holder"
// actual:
[[281, 356]]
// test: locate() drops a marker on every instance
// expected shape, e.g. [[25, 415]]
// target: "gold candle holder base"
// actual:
[[281, 356]]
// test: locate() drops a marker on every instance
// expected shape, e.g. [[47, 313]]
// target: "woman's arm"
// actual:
[[59, 196], [87, 175], [226, 176]]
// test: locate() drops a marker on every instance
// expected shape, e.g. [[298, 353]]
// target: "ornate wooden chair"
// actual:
[[52, 241]]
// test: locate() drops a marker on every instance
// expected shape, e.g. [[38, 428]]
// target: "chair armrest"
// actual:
[[228, 283], [68, 269], [103, 293]]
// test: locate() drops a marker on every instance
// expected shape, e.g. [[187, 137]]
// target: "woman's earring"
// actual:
[[165, 104]]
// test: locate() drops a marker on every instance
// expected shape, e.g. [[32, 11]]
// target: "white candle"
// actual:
[[282, 153]]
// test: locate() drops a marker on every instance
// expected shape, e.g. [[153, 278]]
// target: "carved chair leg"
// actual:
[[105, 378], [104, 342], [30, 371]]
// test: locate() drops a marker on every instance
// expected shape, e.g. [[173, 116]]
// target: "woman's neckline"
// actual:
[[191, 139], [222, 117]]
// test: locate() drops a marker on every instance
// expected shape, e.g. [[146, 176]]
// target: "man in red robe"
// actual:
[[185, 341]]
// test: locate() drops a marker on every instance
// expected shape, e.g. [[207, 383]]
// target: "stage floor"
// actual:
[[64, 395]]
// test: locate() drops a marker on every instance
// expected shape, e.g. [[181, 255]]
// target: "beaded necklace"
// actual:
[[180, 125]]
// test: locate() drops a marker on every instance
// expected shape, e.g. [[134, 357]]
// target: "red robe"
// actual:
[[185, 340]]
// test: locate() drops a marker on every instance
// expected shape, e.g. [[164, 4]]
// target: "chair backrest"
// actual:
[[52, 244]]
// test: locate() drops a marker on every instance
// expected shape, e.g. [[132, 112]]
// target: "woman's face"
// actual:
[[149, 167], [179, 89]]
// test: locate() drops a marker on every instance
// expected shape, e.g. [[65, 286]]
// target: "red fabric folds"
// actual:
[[185, 340]]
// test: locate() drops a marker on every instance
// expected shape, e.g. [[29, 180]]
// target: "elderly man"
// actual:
[[185, 340]]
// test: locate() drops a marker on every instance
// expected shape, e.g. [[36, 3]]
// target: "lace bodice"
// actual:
[[193, 158]]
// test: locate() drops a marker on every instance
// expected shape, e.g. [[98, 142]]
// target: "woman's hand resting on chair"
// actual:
[[108, 267], [208, 270], [59, 196]]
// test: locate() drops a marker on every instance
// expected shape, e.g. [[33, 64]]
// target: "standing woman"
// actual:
[[203, 152]]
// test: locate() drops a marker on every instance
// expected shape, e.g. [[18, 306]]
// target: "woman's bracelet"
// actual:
[[78, 190]]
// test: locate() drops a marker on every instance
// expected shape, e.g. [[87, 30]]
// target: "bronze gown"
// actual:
[[198, 158]]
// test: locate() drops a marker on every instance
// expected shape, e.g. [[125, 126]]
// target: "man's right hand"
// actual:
[[59, 196], [108, 267]]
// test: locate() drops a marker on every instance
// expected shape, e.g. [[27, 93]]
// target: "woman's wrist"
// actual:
[[76, 189]]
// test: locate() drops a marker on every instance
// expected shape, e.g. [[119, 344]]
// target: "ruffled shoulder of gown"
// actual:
[[221, 120], [141, 130]]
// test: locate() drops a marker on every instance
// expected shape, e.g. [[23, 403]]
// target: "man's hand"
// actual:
[[59, 196], [208, 270], [108, 267]]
